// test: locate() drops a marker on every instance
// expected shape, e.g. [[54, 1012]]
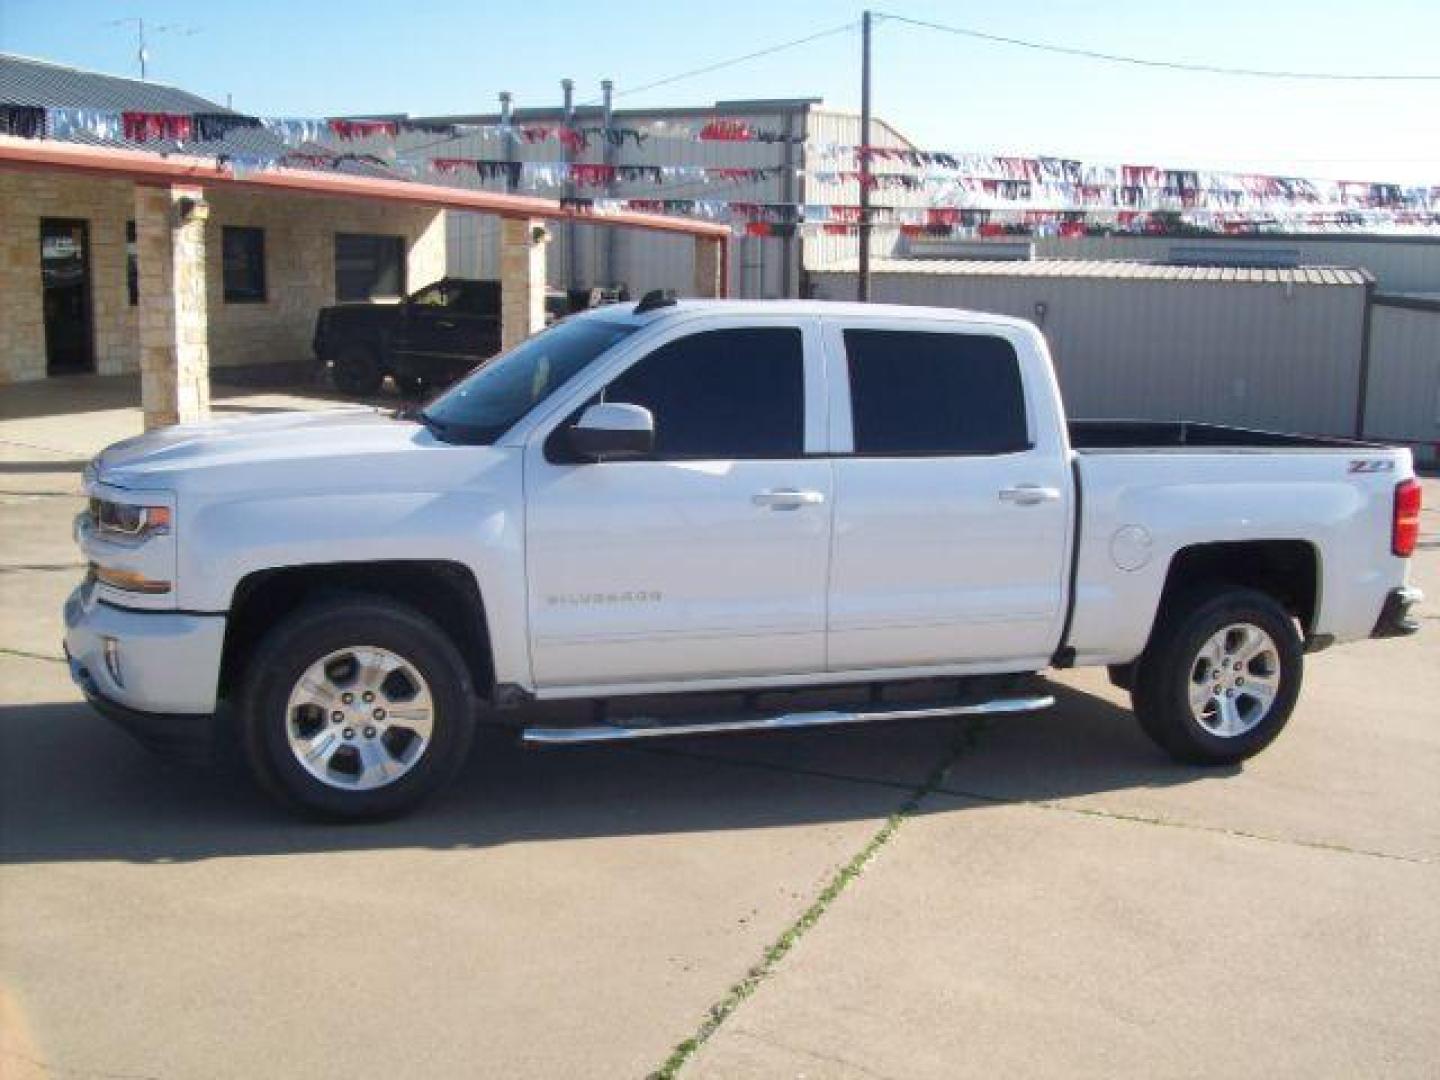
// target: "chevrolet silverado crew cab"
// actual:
[[673, 499]]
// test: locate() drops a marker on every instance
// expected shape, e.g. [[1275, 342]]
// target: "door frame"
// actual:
[[89, 365], [533, 433], [1048, 449]]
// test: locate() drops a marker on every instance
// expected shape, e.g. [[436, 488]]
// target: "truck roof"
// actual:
[[832, 308]]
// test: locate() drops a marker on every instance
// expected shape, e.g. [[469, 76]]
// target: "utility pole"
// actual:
[[571, 235], [607, 94], [862, 287], [507, 126]]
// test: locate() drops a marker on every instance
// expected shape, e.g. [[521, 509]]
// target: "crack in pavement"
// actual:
[[733, 998], [934, 784], [69, 455], [1170, 823], [26, 654], [64, 1070], [1050, 804], [816, 1055]]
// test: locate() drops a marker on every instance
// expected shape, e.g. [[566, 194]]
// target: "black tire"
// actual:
[[1172, 664], [357, 370], [315, 632]]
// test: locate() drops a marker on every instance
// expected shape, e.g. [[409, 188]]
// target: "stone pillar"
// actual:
[[174, 323], [707, 268], [522, 279]]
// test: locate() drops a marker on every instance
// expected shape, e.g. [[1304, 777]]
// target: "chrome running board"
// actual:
[[651, 728]]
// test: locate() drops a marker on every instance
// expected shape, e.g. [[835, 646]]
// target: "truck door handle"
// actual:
[[787, 498], [1029, 494], [445, 324]]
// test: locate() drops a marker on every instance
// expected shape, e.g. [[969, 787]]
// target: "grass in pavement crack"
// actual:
[[721, 1010], [26, 654]]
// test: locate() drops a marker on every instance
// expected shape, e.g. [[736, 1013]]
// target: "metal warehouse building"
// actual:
[[1272, 348], [1399, 263], [581, 255], [1290, 346]]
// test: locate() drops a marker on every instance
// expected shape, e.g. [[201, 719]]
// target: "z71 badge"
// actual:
[[1372, 465]]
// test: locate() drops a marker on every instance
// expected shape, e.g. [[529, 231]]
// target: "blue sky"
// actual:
[[321, 57]]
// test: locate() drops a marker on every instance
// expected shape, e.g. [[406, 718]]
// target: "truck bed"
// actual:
[[1088, 436]]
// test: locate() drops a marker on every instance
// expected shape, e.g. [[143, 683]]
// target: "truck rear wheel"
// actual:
[[356, 709], [1220, 677], [357, 370]]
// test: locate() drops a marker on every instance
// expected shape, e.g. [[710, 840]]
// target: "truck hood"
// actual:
[[357, 447]]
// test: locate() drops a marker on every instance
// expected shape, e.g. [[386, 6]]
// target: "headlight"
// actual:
[[129, 522]]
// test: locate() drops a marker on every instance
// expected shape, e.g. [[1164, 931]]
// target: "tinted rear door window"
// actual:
[[722, 394], [915, 393]]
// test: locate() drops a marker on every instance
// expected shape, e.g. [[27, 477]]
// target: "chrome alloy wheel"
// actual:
[[1234, 680], [359, 718]]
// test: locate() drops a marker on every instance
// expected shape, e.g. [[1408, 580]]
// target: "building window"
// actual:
[[243, 252], [927, 394], [369, 267], [132, 265]]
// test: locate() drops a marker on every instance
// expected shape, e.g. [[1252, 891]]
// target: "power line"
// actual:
[[732, 61], [1169, 65]]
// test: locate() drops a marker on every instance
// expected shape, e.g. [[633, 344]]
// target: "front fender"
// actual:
[[479, 524]]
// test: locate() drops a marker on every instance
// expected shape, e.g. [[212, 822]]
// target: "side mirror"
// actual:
[[613, 430]]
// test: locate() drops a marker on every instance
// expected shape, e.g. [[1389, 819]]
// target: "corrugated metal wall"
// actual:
[[1399, 264], [640, 259], [1267, 356], [825, 128], [1404, 397]]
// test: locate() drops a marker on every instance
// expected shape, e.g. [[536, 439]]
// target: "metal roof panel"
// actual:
[[1111, 270]]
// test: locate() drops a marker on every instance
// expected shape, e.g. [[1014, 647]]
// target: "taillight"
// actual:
[[1405, 531]]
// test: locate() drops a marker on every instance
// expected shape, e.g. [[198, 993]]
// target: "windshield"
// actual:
[[487, 403]]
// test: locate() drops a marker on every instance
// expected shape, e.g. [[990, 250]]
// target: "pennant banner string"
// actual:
[[939, 180]]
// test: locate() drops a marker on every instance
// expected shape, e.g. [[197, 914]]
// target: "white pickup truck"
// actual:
[[677, 498]]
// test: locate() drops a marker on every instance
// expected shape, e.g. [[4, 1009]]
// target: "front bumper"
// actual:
[[1396, 618], [190, 737], [154, 672]]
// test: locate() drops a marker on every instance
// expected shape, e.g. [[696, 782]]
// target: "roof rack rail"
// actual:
[[655, 299]]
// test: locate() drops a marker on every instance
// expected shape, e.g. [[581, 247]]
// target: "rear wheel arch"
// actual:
[[1288, 570], [444, 591]]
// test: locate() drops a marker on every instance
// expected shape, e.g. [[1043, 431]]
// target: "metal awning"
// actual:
[[149, 168]]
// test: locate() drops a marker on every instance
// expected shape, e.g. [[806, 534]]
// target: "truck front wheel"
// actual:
[[1220, 676], [356, 709]]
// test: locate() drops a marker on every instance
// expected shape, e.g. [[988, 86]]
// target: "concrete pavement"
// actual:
[[1035, 896]]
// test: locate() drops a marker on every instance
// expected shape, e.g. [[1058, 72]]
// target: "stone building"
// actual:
[[71, 259], [117, 258]]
